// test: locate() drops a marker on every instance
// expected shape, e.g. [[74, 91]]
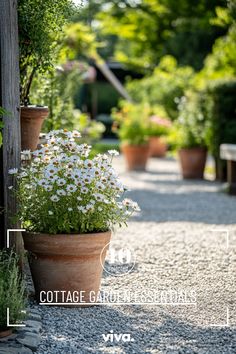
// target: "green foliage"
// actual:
[[65, 190], [56, 90], [90, 130], [79, 41], [103, 147], [11, 290], [131, 123], [146, 30], [40, 31], [192, 126], [164, 87], [221, 110]]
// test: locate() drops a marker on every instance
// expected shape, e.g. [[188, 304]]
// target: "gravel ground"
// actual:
[[180, 244]]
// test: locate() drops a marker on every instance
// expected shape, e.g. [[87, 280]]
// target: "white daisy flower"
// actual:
[[50, 212], [113, 152], [42, 182], [127, 202], [81, 208], [25, 155], [79, 199], [61, 182], [70, 209], [13, 171], [71, 188], [100, 186], [87, 179], [88, 163], [84, 190], [48, 188], [61, 192], [53, 178], [54, 198], [89, 207], [99, 197], [135, 206], [76, 134], [23, 174]]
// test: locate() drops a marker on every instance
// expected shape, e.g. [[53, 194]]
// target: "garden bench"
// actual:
[[228, 152]]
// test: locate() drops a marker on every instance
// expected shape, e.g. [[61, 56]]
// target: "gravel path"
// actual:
[[179, 245]]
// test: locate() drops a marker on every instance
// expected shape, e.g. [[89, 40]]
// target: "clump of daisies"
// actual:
[[63, 190]]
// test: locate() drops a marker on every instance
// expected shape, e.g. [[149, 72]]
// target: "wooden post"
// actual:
[[231, 176], [9, 100]]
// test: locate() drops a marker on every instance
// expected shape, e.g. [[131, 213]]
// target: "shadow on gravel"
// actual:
[[175, 205], [171, 336]]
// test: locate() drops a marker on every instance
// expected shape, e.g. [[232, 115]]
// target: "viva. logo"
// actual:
[[115, 337]]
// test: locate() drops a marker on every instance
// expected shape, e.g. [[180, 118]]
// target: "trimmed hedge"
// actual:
[[221, 110]]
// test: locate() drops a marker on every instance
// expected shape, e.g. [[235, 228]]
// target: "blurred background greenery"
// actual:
[[176, 56]]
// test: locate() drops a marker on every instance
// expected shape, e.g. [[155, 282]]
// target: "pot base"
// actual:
[[193, 162], [158, 147], [136, 156]]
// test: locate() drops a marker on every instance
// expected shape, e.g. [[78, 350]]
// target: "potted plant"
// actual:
[[11, 292], [158, 129], [189, 135], [69, 203], [131, 124], [40, 27]]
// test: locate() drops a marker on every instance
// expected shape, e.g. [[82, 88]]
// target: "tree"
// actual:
[[148, 29]]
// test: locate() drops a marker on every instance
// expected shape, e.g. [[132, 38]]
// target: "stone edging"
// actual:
[[24, 340]]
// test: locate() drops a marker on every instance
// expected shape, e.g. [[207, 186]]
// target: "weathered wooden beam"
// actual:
[[9, 100]]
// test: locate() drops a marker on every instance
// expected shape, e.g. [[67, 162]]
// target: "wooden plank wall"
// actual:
[[10, 100]]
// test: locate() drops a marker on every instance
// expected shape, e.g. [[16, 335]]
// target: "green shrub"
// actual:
[[164, 87], [11, 289], [192, 126], [131, 123], [40, 29], [221, 110], [56, 90]]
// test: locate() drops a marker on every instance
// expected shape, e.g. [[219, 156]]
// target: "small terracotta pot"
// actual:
[[193, 162], [136, 156], [5, 332], [72, 263], [32, 118], [158, 146]]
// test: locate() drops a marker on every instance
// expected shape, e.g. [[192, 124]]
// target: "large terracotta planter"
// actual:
[[32, 118], [193, 162], [136, 156], [70, 263], [158, 146]]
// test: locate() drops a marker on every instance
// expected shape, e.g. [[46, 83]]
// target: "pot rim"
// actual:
[[134, 145], [32, 233], [202, 148], [35, 107]]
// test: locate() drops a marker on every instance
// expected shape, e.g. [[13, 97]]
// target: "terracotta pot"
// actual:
[[32, 118], [69, 263], [193, 162], [158, 146], [5, 332], [136, 156]]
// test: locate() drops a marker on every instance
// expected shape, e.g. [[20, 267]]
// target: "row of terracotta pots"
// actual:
[[192, 160]]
